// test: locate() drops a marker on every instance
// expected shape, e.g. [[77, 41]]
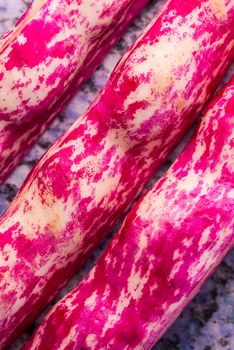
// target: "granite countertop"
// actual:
[[208, 321]]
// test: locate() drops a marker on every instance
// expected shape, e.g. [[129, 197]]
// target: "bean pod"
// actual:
[[92, 174]]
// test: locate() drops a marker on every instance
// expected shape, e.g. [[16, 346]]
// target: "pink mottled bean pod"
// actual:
[[52, 50], [92, 174], [170, 242]]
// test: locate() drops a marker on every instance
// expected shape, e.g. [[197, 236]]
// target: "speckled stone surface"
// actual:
[[208, 322]]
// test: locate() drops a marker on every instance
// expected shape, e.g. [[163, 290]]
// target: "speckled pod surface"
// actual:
[[92, 174], [45, 58], [170, 242]]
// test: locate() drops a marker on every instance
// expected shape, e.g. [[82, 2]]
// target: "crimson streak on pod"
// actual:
[[91, 175], [43, 61], [170, 242]]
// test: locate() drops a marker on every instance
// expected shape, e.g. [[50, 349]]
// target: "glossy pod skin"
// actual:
[[170, 242], [52, 50], [92, 174]]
